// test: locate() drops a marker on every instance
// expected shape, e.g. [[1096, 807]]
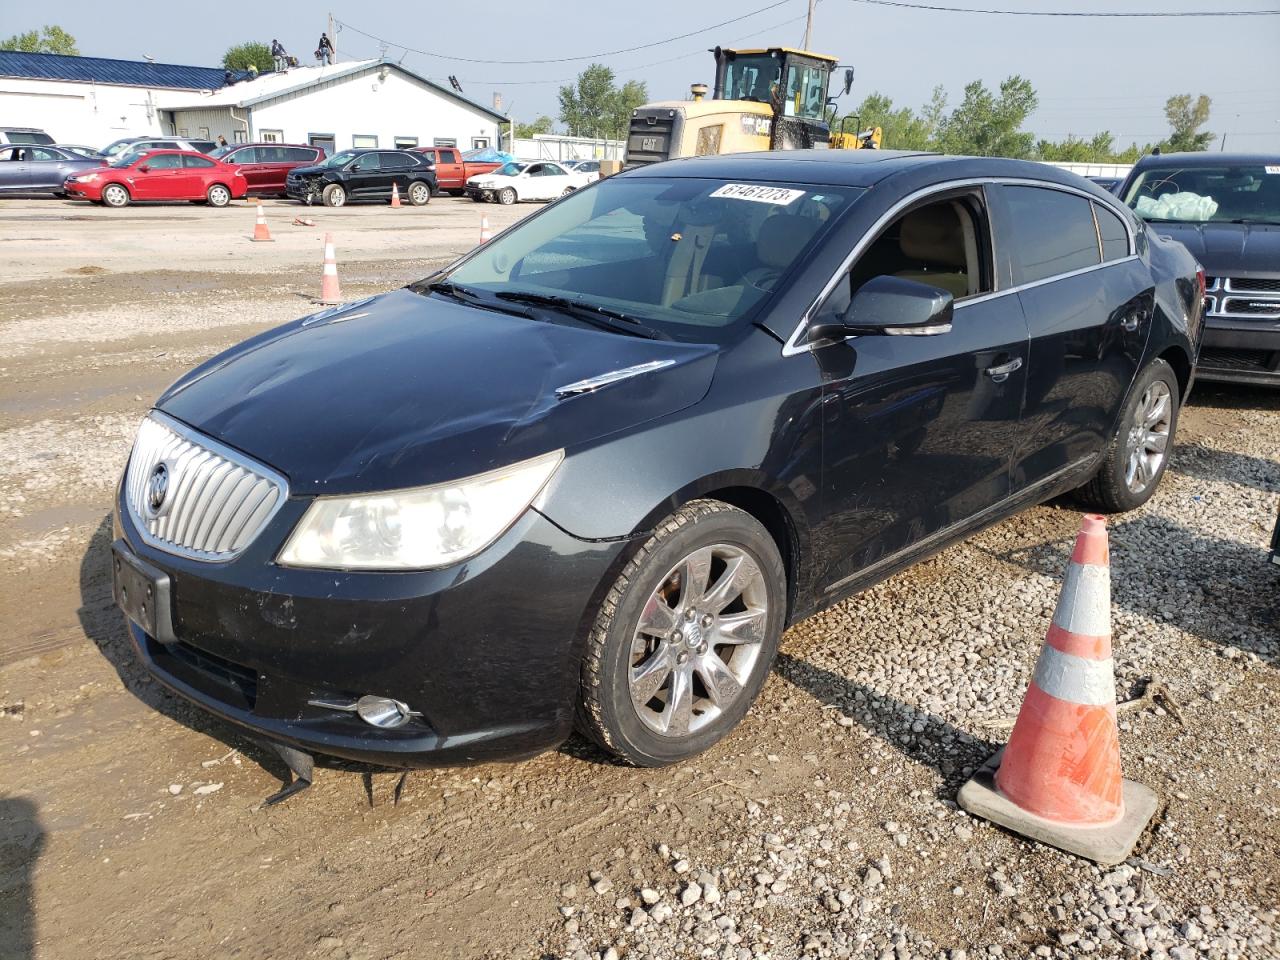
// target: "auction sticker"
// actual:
[[757, 194], [1273, 169]]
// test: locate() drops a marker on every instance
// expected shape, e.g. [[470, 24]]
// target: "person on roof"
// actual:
[[324, 50], [279, 56]]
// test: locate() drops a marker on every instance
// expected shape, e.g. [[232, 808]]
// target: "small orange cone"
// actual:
[[486, 234], [395, 195], [260, 231], [329, 291], [1058, 779]]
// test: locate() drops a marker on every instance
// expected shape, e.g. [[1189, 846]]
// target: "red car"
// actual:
[[160, 175], [266, 165]]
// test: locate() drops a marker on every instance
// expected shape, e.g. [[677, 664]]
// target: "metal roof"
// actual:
[[132, 73]]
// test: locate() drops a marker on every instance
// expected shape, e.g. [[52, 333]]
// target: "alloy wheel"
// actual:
[[115, 195], [419, 194], [219, 196], [699, 637], [1147, 445]]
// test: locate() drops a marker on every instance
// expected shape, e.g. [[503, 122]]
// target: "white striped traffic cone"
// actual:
[[330, 294], [395, 195], [1058, 780], [260, 232], [485, 233]]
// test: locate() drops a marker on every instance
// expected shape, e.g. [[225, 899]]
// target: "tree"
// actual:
[[49, 39], [1185, 120], [902, 128], [987, 125], [593, 107], [542, 125], [252, 53]]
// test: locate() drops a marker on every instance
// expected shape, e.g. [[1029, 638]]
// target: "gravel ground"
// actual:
[[825, 827]]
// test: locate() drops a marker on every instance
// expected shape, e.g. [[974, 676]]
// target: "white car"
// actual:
[[525, 180], [590, 167]]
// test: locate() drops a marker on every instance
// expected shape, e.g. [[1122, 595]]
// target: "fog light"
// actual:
[[383, 711]]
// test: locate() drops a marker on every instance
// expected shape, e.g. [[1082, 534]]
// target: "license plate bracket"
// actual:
[[143, 592]]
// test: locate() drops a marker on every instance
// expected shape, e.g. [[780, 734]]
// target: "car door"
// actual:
[[449, 169], [156, 176], [395, 168], [197, 176], [1088, 317], [47, 169], [917, 430], [14, 169], [364, 176], [540, 182], [247, 159]]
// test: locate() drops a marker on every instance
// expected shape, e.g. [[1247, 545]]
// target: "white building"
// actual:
[[366, 103]]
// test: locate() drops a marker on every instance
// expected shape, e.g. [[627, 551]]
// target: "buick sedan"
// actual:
[[588, 474]]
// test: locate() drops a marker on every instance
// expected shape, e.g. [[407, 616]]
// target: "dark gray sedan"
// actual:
[[35, 170]]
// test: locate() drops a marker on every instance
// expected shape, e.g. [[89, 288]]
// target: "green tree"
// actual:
[[593, 107], [48, 39], [253, 53], [987, 125], [632, 94], [902, 128], [542, 125], [1186, 117]]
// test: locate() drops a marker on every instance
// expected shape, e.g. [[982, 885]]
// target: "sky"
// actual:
[[1091, 74]]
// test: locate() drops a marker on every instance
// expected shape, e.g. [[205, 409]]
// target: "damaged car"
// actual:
[[586, 475]]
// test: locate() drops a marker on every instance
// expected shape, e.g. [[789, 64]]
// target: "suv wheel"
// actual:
[[419, 193], [334, 196], [115, 195], [1139, 452], [685, 638]]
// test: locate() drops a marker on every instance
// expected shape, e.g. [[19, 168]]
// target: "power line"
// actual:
[[1072, 13], [589, 56]]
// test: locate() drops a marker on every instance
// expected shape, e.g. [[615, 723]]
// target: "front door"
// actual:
[[917, 429], [365, 177], [161, 178], [1088, 304]]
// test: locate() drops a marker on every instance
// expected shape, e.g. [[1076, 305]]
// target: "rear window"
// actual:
[[1053, 232], [204, 146], [27, 136], [1229, 193]]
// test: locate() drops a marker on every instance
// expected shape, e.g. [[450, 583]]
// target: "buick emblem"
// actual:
[[157, 488]]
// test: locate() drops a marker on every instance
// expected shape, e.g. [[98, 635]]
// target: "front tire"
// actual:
[[419, 194], [685, 639], [335, 196], [1139, 452], [507, 196], [218, 195], [115, 195]]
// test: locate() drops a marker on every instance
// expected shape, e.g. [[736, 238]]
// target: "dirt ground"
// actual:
[[129, 823]]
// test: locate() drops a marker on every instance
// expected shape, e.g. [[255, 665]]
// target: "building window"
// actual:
[[204, 133], [445, 142], [406, 143], [272, 136], [182, 132], [239, 135], [479, 143], [364, 141]]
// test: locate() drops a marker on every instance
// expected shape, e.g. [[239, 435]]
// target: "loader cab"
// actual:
[[793, 82]]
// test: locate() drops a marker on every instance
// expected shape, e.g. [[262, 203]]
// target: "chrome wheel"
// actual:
[[114, 195], [219, 196], [699, 637], [1148, 441]]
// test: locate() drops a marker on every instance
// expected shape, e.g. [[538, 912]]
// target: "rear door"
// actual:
[[47, 169], [450, 170], [395, 169], [1088, 302]]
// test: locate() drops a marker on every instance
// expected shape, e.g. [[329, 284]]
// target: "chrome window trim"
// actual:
[[227, 453], [792, 347]]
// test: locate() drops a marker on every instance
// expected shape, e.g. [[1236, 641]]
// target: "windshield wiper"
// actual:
[[1265, 223], [602, 317], [465, 295]]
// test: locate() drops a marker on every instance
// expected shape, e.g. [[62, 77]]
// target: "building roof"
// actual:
[[132, 73], [272, 86]]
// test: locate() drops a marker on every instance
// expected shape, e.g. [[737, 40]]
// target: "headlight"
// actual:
[[87, 178], [420, 528]]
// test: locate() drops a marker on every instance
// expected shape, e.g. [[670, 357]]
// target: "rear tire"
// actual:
[[685, 638], [335, 196], [1139, 452], [116, 195], [419, 193], [507, 196], [218, 195]]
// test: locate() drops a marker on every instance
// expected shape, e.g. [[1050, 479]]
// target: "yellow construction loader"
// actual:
[[771, 99]]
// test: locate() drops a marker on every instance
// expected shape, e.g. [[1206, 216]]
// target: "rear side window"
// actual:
[[448, 156], [197, 162], [1053, 232], [299, 155], [396, 161], [1114, 237]]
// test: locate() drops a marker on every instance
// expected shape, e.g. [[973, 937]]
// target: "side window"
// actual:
[[448, 156], [165, 161], [366, 162], [552, 170], [298, 155], [197, 162], [247, 155], [1111, 231], [1053, 232], [396, 161], [39, 154]]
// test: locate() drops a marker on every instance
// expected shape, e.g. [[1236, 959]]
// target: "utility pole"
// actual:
[[808, 25], [333, 39]]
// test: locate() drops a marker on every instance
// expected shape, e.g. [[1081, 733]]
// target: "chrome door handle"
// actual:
[[1001, 373]]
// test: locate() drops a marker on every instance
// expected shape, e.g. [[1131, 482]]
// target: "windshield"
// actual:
[[117, 146], [340, 159], [126, 159], [691, 257], [1203, 194], [509, 170], [751, 77], [223, 151]]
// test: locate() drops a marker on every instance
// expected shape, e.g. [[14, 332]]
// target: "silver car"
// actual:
[[31, 169]]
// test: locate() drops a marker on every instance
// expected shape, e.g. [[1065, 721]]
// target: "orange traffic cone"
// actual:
[[1058, 779], [260, 231], [485, 233], [395, 195], [329, 292]]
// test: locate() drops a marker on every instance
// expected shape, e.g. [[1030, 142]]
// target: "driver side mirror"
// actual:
[[144, 168], [892, 306]]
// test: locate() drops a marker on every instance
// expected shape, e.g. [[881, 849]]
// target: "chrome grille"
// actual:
[[216, 502], [1253, 285], [1244, 298]]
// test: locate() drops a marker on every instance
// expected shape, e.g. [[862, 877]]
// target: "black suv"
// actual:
[[1225, 207], [364, 175]]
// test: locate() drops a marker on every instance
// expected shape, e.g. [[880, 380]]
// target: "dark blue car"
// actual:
[[591, 471]]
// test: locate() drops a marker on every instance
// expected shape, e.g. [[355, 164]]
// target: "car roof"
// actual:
[[272, 143], [1208, 159], [854, 168]]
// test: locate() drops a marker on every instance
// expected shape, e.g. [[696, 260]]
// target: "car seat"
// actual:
[[942, 251]]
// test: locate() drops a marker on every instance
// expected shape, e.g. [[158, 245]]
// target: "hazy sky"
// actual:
[[1091, 74]]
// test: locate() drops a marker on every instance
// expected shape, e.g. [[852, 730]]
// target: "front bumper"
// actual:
[[479, 193], [299, 189], [1240, 351], [487, 651]]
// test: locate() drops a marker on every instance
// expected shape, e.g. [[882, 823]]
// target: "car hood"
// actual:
[[310, 170], [1228, 249], [403, 390]]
